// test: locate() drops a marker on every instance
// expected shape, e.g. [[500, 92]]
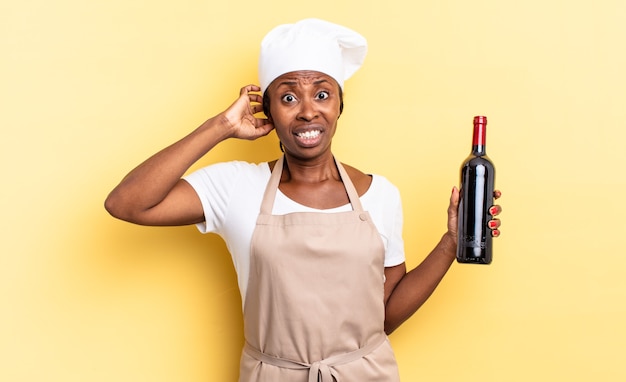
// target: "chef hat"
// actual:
[[311, 44]]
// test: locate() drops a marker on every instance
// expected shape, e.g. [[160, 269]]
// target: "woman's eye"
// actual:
[[322, 95], [288, 98]]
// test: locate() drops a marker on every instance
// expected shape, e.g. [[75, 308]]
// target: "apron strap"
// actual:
[[347, 183], [272, 186], [320, 371]]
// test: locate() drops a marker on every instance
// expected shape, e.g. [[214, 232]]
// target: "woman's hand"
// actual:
[[453, 208], [240, 116], [494, 224]]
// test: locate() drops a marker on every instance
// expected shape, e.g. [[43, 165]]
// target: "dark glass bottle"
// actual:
[[476, 197]]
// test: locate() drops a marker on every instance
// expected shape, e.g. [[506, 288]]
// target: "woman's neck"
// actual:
[[313, 171]]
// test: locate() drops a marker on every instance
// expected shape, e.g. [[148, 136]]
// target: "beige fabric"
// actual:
[[314, 307]]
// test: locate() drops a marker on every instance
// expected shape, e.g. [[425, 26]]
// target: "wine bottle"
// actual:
[[476, 197]]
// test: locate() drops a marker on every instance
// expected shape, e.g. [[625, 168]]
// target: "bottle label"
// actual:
[[469, 241]]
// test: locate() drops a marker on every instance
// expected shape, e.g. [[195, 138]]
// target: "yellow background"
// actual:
[[88, 89]]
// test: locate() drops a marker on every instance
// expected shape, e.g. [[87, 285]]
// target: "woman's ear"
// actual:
[[266, 106]]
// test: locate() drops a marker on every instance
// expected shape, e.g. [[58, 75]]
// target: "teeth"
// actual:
[[309, 134]]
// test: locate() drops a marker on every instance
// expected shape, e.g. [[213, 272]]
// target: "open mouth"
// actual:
[[308, 135]]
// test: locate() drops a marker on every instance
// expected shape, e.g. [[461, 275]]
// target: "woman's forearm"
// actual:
[[150, 183], [416, 286]]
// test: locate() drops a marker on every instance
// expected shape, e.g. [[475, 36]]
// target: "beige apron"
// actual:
[[314, 308]]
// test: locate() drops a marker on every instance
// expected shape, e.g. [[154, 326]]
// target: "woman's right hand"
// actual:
[[240, 116]]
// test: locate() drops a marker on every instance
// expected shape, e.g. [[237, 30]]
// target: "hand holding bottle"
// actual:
[[453, 207]]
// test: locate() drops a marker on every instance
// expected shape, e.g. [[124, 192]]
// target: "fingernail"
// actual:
[[495, 233], [493, 210], [492, 224]]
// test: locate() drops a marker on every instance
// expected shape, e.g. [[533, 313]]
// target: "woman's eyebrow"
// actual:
[[287, 83]]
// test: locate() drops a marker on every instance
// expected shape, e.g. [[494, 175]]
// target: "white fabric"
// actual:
[[231, 195], [311, 44]]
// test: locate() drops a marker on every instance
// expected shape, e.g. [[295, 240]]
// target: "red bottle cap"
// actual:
[[480, 130], [480, 119]]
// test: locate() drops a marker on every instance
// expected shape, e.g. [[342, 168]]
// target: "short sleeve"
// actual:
[[214, 185], [395, 247], [383, 202]]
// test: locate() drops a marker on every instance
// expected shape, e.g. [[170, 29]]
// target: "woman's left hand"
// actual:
[[494, 223], [453, 208]]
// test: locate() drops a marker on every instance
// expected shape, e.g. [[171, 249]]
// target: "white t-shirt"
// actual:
[[231, 195]]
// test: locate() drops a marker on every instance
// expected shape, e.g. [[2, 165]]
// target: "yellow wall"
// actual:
[[90, 88]]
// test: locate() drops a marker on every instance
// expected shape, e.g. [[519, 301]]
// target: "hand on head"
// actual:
[[241, 115]]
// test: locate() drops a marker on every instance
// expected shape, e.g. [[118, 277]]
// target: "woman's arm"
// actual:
[[154, 194], [406, 292]]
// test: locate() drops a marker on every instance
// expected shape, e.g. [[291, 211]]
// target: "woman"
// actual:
[[316, 244]]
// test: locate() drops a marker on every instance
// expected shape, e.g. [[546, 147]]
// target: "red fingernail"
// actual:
[[492, 224], [493, 210]]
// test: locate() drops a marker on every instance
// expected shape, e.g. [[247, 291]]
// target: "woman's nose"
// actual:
[[307, 111]]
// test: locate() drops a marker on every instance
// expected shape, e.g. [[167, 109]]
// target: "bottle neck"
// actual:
[[480, 133]]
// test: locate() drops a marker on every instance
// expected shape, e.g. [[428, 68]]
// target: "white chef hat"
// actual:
[[311, 44]]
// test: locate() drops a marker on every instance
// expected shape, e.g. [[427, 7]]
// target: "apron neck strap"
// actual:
[[270, 191]]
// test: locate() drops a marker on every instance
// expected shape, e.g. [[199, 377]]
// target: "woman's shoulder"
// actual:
[[357, 175], [381, 197], [370, 183], [235, 166], [361, 181], [230, 172]]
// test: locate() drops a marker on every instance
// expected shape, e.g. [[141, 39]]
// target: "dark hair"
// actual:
[[266, 102]]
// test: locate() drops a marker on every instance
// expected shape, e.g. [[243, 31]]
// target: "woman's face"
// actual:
[[304, 107]]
